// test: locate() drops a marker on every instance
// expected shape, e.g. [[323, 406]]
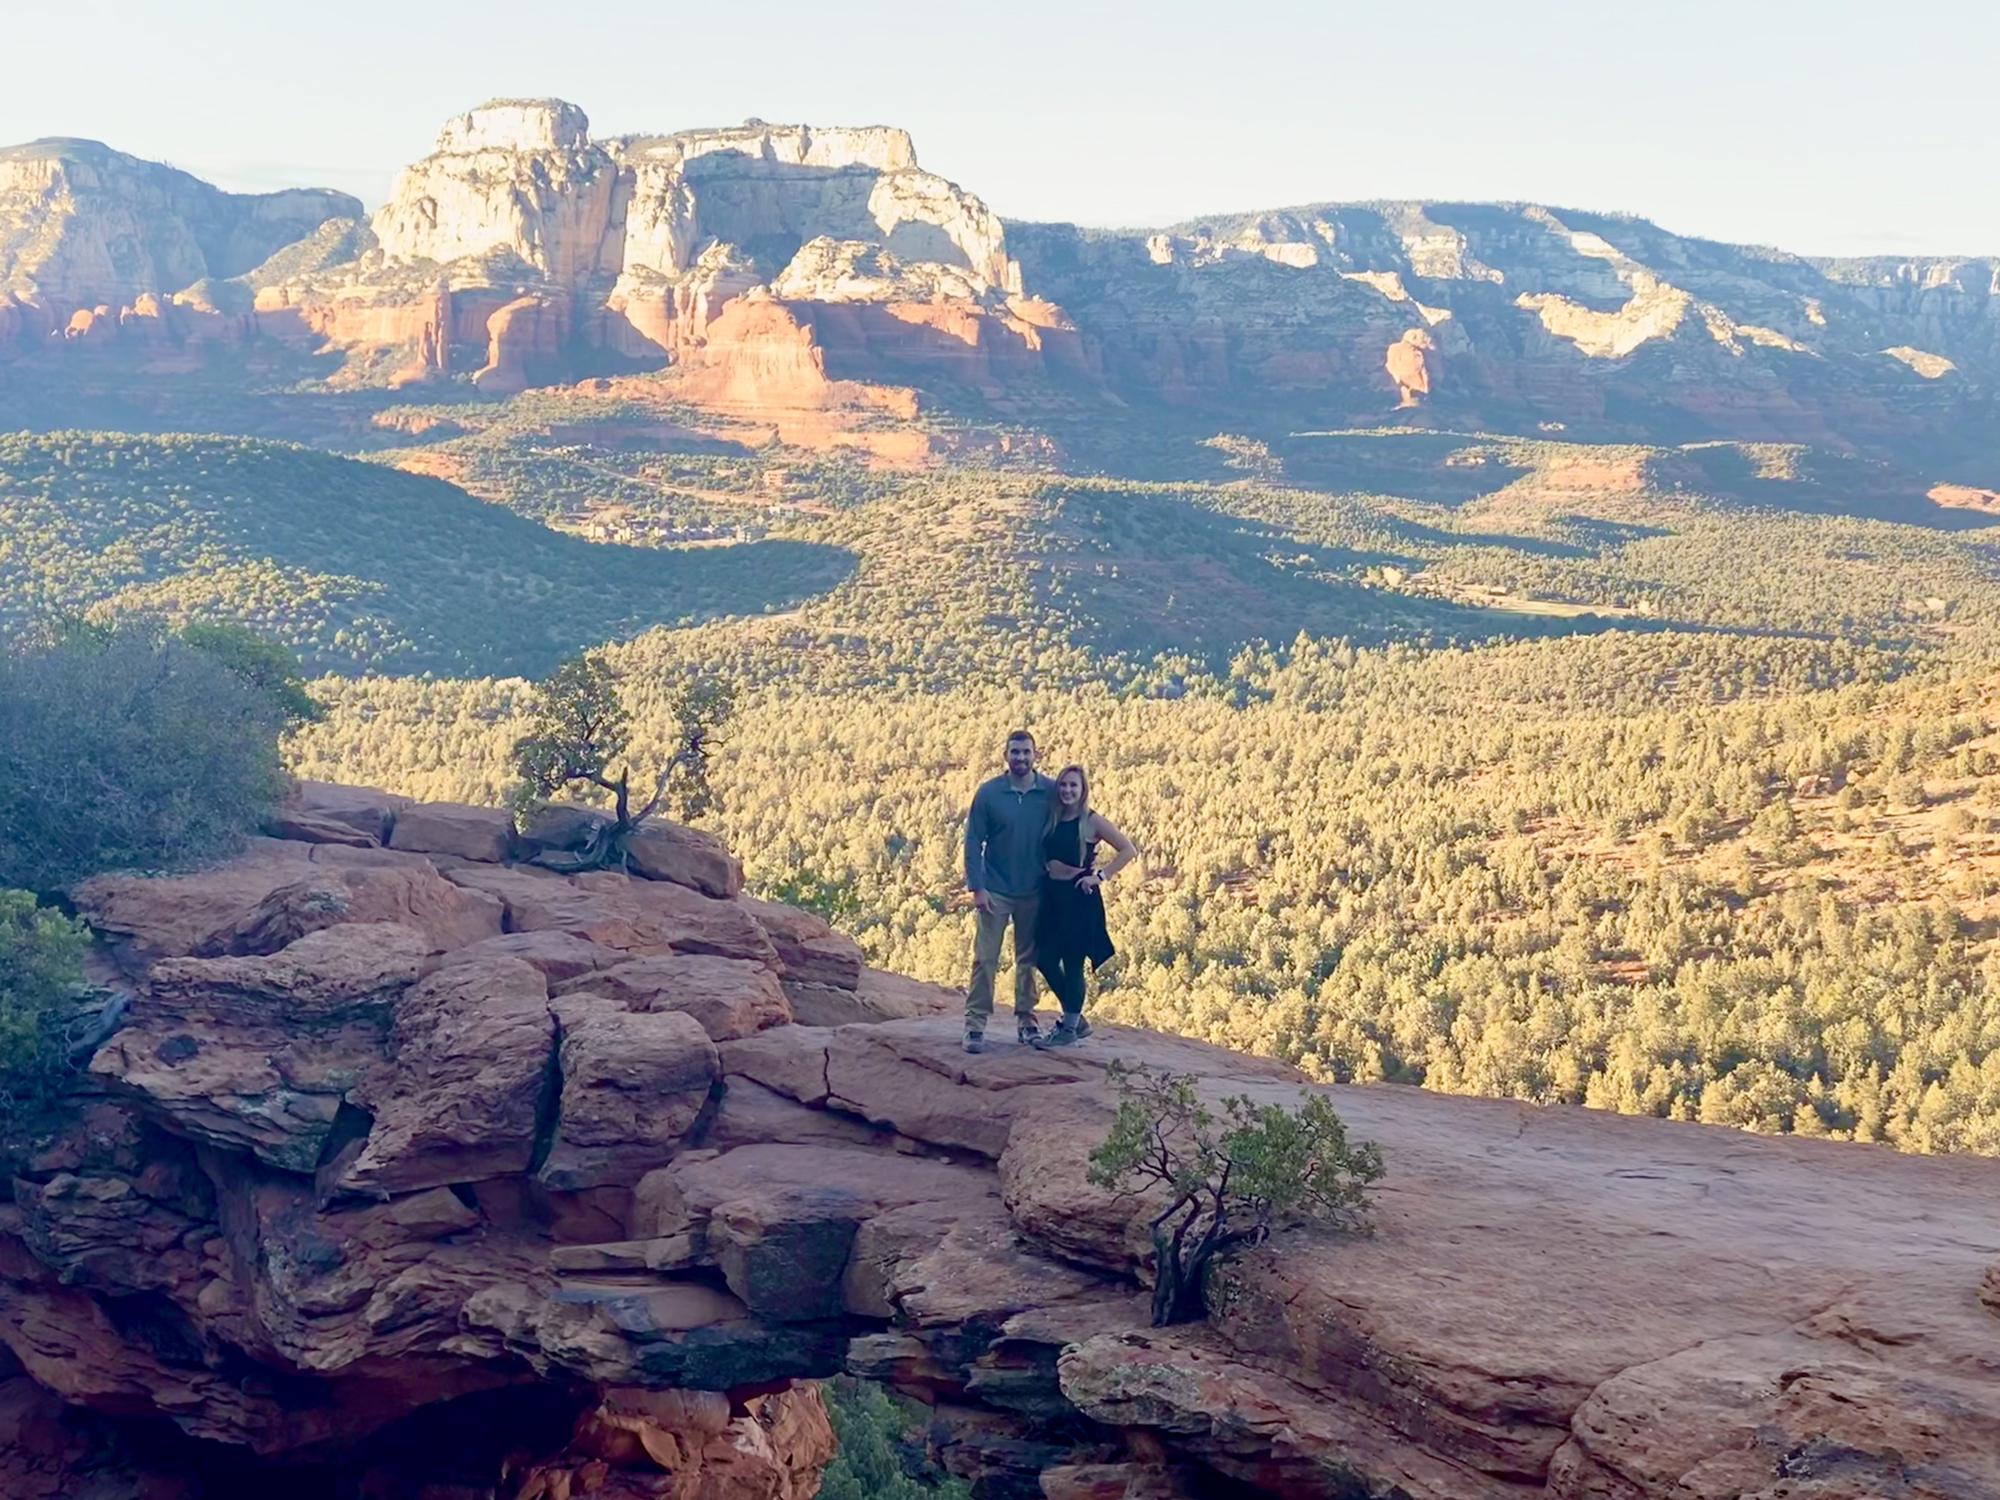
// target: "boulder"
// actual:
[[789, 1060], [1044, 1181], [779, 1221], [688, 921], [275, 892], [561, 825], [471, 1049], [324, 976], [809, 950], [686, 856], [143, 918], [750, 1114], [360, 885], [484, 834], [324, 812], [536, 901], [606, 907], [557, 955], [729, 998], [241, 1087], [879, 996], [947, 1262], [914, 1077], [633, 1083]]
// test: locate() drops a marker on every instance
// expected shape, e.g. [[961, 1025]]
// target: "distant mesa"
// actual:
[[780, 267]]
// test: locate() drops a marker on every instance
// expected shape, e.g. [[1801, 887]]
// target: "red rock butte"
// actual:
[[789, 269], [405, 1147]]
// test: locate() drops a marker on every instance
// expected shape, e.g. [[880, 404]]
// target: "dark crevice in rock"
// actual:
[[156, 1324], [696, 1136], [345, 1140], [548, 1105]]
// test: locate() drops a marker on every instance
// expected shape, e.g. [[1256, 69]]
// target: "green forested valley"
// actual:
[[1658, 780]]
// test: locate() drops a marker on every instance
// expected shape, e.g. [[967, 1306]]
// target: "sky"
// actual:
[[1833, 128]]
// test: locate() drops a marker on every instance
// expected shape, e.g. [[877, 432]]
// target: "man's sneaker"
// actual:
[[1063, 1034], [975, 1041], [1028, 1030]]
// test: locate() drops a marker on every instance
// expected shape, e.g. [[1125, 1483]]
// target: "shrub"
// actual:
[[1226, 1181], [122, 746], [41, 969], [878, 1459], [264, 664]]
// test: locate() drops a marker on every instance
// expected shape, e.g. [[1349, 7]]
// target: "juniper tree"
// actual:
[[580, 735], [1226, 1181]]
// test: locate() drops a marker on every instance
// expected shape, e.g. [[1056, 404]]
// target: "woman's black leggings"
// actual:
[[1064, 972]]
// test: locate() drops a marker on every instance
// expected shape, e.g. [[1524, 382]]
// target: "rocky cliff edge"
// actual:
[[446, 1176]]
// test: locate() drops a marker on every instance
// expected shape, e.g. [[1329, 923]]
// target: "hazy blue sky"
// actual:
[[1833, 127]]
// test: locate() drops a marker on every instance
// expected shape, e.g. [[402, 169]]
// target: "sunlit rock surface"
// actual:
[[788, 268], [401, 1151]]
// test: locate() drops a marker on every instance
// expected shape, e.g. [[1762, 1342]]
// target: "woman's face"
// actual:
[[1069, 790]]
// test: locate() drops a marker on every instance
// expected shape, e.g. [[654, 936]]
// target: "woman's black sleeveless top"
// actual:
[[1065, 842]]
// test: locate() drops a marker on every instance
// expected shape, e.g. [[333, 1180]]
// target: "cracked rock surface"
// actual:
[[544, 1174]]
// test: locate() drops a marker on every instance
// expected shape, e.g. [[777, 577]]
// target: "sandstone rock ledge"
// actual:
[[424, 1176]]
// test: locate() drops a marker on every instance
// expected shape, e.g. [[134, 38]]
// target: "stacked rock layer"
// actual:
[[414, 1167]]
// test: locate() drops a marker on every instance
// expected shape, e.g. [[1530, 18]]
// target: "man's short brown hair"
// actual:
[[1020, 734]]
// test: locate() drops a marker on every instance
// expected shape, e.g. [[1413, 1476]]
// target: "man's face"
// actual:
[[1020, 758]]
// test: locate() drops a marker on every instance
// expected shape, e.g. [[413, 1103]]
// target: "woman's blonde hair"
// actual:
[[1082, 807]]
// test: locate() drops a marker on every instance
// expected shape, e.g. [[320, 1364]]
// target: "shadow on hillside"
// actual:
[[1595, 535], [276, 397], [1436, 468], [359, 566], [1140, 573], [1813, 482]]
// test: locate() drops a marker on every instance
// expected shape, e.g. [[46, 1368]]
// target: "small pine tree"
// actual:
[[1226, 1181]]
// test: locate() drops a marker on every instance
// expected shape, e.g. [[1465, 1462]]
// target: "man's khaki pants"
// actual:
[[990, 929]]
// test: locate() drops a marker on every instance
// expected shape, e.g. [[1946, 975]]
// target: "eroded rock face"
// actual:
[[86, 227], [789, 269], [387, 1174], [633, 1084]]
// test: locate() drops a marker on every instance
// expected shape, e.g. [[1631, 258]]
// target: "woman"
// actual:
[[1070, 925]]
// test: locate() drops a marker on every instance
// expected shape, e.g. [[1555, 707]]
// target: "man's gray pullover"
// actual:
[[1003, 837]]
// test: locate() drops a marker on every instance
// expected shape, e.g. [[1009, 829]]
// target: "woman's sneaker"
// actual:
[[1065, 1034], [1082, 1028]]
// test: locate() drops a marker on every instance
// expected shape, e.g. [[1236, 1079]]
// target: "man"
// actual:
[[1003, 870]]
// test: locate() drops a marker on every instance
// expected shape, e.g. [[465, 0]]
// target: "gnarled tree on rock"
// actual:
[[1226, 1182], [580, 735]]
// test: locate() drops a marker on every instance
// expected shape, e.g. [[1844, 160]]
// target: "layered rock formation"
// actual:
[[1529, 315], [417, 1172], [93, 241], [547, 248], [523, 251]]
